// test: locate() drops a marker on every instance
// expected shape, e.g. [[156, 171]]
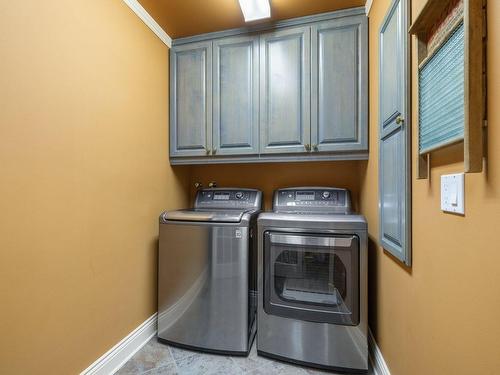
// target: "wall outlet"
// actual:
[[452, 193]]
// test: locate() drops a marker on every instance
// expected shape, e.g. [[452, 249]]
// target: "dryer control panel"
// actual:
[[312, 199], [221, 198]]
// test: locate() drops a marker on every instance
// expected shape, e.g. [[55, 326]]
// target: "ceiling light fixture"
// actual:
[[255, 9]]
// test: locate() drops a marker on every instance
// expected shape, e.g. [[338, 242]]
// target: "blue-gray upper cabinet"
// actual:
[[236, 96], [285, 91], [191, 99], [339, 85], [295, 90]]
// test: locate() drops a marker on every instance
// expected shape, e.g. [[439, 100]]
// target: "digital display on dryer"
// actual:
[[304, 196]]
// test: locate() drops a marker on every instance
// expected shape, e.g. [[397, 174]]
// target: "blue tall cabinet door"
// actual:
[[191, 99], [236, 96], [394, 134], [339, 104], [285, 91]]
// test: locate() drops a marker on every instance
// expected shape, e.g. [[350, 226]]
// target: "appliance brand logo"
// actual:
[[237, 233]]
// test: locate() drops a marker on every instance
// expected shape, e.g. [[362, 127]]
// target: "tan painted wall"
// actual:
[[268, 177], [442, 316], [83, 176]]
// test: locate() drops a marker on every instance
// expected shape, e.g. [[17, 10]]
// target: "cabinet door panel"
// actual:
[[235, 100], [339, 85], [390, 68], [285, 91], [191, 99], [392, 195], [394, 134]]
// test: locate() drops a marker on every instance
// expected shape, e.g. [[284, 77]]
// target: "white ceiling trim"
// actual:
[[149, 21], [368, 6]]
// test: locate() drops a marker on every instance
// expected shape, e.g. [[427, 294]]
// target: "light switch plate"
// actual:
[[452, 193]]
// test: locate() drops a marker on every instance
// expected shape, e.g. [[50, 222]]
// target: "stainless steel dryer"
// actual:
[[207, 272], [312, 280]]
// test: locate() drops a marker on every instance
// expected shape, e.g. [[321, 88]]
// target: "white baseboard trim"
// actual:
[[149, 21], [116, 357], [376, 358]]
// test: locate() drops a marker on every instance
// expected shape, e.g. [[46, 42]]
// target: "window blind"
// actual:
[[441, 95]]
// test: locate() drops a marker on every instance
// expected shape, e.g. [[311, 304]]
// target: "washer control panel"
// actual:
[[221, 198], [312, 199]]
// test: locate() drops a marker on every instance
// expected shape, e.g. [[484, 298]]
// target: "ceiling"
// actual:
[[181, 18]]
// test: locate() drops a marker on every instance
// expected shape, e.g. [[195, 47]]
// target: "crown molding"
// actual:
[[138, 9], [368, 6]]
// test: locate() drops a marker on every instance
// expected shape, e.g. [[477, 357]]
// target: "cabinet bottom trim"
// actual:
[[267, 159]]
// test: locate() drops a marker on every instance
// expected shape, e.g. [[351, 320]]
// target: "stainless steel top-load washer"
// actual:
[[312, 280], [207, 272]]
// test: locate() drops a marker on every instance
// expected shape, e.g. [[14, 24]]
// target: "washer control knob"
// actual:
[[239, 195], [326, 194]]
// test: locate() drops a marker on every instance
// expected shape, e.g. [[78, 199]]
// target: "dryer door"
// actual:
[[312, 277]]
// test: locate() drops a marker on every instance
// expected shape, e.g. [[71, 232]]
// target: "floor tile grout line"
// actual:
[[177, 370], [172, 361], [242, 370]]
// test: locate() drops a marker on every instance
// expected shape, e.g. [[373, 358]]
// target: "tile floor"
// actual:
[[156, 358]]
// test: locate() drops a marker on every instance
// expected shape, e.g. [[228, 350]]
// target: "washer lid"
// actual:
[[221, 216]]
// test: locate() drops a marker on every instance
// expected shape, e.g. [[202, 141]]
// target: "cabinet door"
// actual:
[[235, 96], [394, 133], [285, 91], [191, 99], [339, 87]]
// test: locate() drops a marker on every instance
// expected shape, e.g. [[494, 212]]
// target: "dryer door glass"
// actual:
[[312, 277]]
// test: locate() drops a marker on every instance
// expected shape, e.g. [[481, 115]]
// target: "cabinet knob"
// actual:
[[399, 120], [307, 147]]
